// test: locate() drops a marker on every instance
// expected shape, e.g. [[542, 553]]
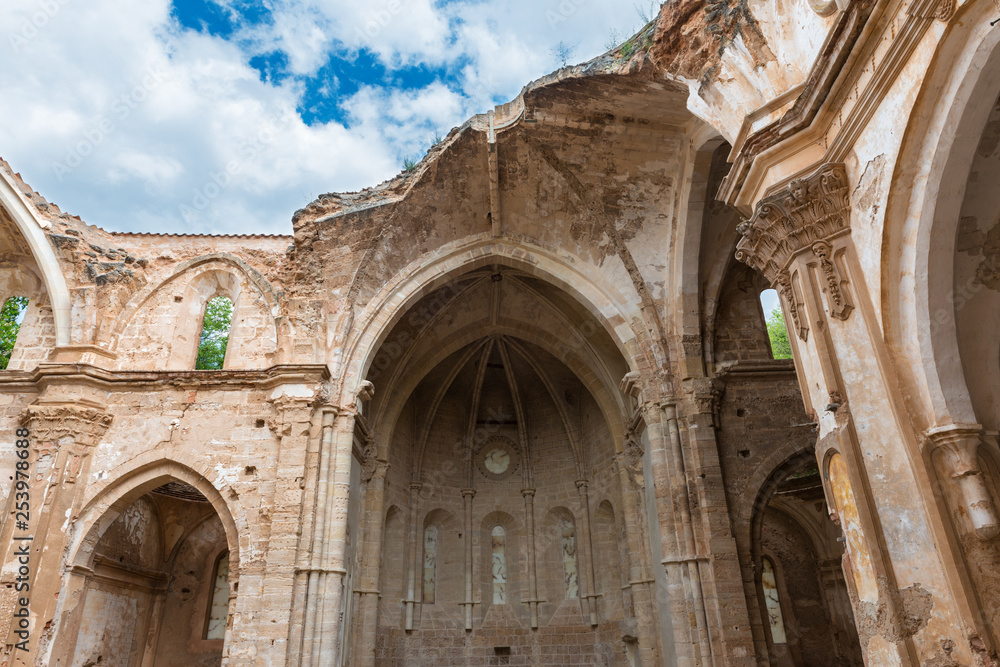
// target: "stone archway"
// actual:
[[154, 574], [496, 408]]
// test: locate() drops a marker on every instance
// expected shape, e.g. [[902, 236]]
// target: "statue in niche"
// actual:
[[499, 565], [570, 577]]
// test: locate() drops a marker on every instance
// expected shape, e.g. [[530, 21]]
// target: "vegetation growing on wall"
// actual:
[[778, 333], [214, 334], [10, 322]]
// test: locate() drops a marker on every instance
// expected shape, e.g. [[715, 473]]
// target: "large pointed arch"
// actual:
[[621, 316], [922, 213], [32, 229]]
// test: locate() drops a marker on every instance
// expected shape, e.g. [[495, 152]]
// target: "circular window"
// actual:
[[497, 458]]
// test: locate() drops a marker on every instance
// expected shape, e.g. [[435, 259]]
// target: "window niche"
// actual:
[[769, 582], [11, 316], [218, 611], [774, 318], [498, 560], [215, 328], [430, 564]]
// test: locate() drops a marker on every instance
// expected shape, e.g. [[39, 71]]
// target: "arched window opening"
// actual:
[[777, 332], [430, 563], [769, 583], [570, 577], [218, 611], [214, 334], [11, 316], [499, 563]]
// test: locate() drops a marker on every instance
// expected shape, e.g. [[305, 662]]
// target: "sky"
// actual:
[[226, 116]]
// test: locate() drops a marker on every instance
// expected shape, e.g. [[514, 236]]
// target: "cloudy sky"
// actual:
[[225, 116]]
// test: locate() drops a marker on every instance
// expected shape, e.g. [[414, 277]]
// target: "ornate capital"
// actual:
[[959, 444], [810, 209], [942, 10], [50, 423]]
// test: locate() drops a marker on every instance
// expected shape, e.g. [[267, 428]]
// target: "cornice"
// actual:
[[84, 374], [842, 63]]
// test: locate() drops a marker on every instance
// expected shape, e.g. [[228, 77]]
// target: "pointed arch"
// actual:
[[32, 227]]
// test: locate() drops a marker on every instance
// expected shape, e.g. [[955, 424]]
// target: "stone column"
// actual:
[[529, 524], [367, 591], [284, 498], [640, 580], [58, 440], [467, 496], [684, 559], [800, 239], [662, 448], [413, 555], [311, 559], [335, 543], [588, 551]]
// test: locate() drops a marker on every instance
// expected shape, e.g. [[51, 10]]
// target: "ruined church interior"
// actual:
[[686, 356]]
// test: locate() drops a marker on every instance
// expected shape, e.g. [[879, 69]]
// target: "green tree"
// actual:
[[778, 333], [214, 334], [10, 322]]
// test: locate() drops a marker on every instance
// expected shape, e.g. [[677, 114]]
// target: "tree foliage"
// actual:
[[778, 333], [10, 321], [214, 334]]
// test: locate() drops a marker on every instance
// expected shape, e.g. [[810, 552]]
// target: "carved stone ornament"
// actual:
[[840, 305], [369, 461], [498, 458], [793, 304], [810, 209], [51, 423]]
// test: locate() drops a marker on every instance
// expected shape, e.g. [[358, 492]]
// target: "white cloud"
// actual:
[[114, 112]]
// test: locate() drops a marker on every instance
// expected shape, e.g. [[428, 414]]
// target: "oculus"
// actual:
[[497, 458]]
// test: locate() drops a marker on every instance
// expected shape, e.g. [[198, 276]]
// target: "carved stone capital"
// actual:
[[942, 10], [958, 445], [810, 209], [50, 423]]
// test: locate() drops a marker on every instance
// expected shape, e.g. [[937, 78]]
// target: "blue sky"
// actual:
[[225, 116]]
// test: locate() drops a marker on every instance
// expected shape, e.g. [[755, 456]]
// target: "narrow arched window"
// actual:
[[430, 563], [11, 316], [218, 611], [214, 334], [769, 583], [777, 332], [570, 578], [498, 561]]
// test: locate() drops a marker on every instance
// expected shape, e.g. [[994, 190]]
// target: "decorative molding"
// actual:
[[51, 423], [808, 211], [823, 81]]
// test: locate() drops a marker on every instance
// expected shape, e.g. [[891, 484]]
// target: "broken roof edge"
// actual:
[[628, 58]]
